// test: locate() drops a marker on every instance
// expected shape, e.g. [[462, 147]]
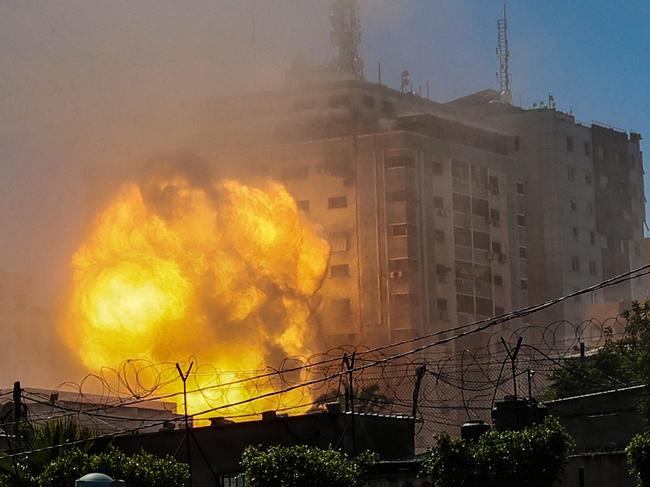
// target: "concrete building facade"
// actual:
[[442, 214]]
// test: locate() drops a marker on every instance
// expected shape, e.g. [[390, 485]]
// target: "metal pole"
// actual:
[[530, 383], [350, 365], [17, 396], [581, 477], [188, 447], [419, 374], [513, 357]]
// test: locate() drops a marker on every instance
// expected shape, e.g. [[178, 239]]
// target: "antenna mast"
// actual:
[[345, 30], [503, 55]]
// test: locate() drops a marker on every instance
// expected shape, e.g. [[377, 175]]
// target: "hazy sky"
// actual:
[[88, 82]]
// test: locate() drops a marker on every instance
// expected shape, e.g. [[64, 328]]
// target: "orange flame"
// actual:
[[220, 271]]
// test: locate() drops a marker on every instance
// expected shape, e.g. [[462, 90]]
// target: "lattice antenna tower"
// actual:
[[345, 30], [503, 55]]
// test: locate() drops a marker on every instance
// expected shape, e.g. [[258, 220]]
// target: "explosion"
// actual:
[[217, 270]]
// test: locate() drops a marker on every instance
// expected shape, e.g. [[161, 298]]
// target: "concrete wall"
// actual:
[[602, 421], [223, 445], [607, 469]]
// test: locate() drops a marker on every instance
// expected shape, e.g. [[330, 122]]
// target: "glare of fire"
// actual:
[[222, 271]]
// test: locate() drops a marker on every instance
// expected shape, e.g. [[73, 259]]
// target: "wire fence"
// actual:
[[442, 387]]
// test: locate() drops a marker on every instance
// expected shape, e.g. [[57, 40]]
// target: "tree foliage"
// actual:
[[619, 362], [533, 457], [301, 465], [638, 457], [143, 469], [43, 439]]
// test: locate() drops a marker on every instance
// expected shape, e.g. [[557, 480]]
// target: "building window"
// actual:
[[523, 252], [517, 143], [484, 307], [465, 304], [480, 207], [437, 168], [442, 271], [521, 220], [438, 202], [496, 247], [573, 205], [571, 173], [592, 268], [523, 284], [400, 160], [575, 264], [461, 203], [600, 151], [481, 240], [340, 270], [587, 149], [368, 101], [459, 170], [590, 209], [569, 143], [337, 202], [494, 184], [339, 241], [462, 236], [498, 310], [442, 304], [575, 232], [403, 265], [401, 230], [588, 178], [498, 280], [400, 195], [592, 238], [439, 235], [520, 188], [495, 215], [303, 205]]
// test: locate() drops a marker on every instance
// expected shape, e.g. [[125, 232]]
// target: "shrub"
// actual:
[[638, 457], [533, 457], [301, 465], [143, 469]]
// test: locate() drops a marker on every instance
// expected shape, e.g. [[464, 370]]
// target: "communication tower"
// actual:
[[345, 29], [503, 55]]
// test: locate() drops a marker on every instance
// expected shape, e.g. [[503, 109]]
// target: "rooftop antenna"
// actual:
[[503, 55], [345, 30]]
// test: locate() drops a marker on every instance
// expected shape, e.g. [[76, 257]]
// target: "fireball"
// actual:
[[217, 270]]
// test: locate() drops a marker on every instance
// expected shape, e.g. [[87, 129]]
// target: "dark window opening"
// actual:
[[337, 202], [401, 160], [465, 304], [569, 143], [340, 270]]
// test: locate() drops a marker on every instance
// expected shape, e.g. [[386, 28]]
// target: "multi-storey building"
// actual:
[[583, 186], [440, 214], [426, 226]]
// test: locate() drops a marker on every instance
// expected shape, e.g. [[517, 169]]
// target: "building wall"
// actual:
[[423, 230], [415, 250]]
